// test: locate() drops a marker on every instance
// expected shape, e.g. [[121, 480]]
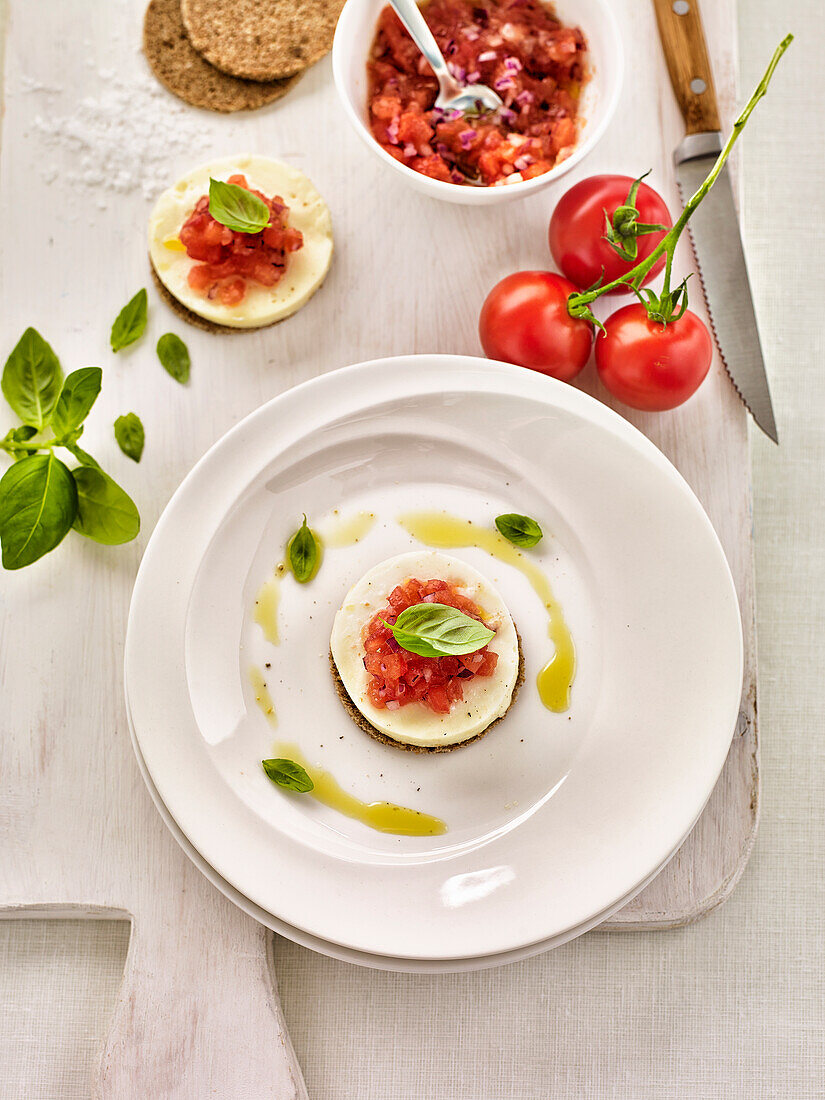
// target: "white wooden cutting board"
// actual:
[[88, 138]]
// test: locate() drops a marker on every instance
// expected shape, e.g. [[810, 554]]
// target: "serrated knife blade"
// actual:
[[714, 226], [720, 261]]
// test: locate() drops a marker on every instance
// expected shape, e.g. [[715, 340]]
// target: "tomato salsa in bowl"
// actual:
[[517, 47], [557, 68]]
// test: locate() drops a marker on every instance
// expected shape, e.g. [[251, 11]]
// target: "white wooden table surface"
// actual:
[[756, 967]]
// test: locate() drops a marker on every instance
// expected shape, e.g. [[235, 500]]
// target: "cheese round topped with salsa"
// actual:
[[243, 280], [424, 701], [517, 47]]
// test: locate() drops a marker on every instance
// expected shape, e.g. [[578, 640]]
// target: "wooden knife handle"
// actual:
[[683, 40]]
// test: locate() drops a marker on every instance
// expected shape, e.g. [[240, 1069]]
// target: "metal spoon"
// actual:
[[453, 95]]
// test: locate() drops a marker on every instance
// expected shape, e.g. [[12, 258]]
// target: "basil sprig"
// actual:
[[130, 435], [303, 554], [130, 323], [438, 630], [286, 773], [520, 530], [174, 357], [237, 208], [41, 498]]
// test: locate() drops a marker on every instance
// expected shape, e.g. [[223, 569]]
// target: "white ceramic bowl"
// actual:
[[354, 36]]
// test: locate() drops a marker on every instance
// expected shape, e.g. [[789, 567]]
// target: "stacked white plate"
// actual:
[[554, 820]]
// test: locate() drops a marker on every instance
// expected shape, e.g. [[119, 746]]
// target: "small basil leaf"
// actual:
[[237, 208], [130, 322], [105, 512], [174, 357], [21, 435], [130, 435], [32, 379], [83, 457], [437, 630], [520, 530], [38, 504], [286, 773], [304, 554], [79, 393]]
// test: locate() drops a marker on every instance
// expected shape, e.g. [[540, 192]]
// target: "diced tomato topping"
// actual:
[[517, 47], [228, 259], [397, 677]]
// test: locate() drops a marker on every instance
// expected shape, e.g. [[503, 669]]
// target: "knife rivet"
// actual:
[[681, 7], [697, 85]]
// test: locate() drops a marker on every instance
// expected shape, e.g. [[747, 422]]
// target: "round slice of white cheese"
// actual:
[[486, 698], [261, 305]]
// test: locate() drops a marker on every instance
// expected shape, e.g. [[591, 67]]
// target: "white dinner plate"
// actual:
[[553, 819]]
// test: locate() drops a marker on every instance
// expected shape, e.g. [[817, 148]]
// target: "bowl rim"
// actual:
[[450, 191]]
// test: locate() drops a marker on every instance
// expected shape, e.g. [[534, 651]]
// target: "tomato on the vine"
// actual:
[[524, 320], [578, 230], [652, 366]]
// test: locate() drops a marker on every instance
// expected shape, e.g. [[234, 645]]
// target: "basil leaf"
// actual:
[[105, 512], [237, 208], [130, 322], [130, 435], [79, 393], [19, 435], [38, 503], [286, 773], [304, 554], [174, 357], [32, 379], [437, 630], [83, 457], [520, 530]]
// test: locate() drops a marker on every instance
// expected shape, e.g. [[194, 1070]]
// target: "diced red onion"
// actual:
[[473, 77], [520, 163], [503, 83], [410, 150], [456, 176], [467, 137], [512, 65], [392, 131], [488, 55]]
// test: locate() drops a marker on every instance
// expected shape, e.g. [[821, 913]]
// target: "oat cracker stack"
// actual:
[[261, 39], [188, 75]]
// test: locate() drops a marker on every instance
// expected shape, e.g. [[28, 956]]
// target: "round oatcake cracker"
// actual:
[[367, 727], [261, 39], [181, 69]]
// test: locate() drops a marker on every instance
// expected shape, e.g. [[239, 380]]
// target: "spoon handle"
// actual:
[[410, 15]]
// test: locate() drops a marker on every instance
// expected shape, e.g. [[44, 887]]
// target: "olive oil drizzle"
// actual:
[[262, 696], [347, 530], [266, 606], [385, 817], [444, 532]]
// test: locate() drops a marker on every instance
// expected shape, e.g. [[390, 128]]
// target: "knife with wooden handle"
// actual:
[[714, 227]]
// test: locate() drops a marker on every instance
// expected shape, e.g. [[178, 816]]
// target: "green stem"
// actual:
[[668, 243], [11, 447]]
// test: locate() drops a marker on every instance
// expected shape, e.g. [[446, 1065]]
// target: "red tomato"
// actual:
[[577, 229], [652, 366], [524, 320]]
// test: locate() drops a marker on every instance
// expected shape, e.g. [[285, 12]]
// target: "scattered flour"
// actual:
[[121, 140]]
